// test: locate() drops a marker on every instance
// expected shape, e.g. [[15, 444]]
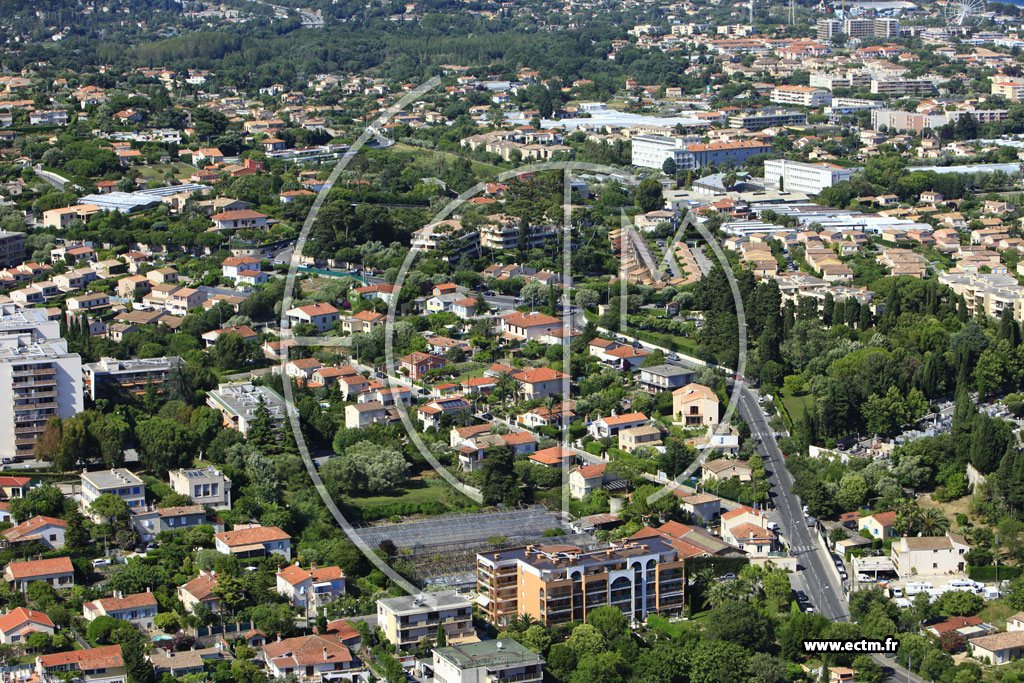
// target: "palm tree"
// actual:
[[704, 577], [932, 522], [522, 622], [505, 385], [906, 518], [717, 593]]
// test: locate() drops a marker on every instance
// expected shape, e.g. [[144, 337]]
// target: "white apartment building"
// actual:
[[39, 379], [118, 482], [796, 176], [650, 151], [801, 95], [487, 661]]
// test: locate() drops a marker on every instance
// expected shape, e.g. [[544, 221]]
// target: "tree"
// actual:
[[714, 661], [852, 491], [365, 467], [868, 670], [932, 522], [648, 195], [500, 483], [47, 500], [109, 507], [669, 166], [261, 428], [586, 640], [164, 444], [609, 621], [440, 638], [959, 604], [740, 622]]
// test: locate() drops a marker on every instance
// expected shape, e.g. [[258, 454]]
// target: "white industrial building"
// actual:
[[796, 176]]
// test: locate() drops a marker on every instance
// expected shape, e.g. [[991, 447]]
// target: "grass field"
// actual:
[[415, 491], [996, 612], [796, 405], [425, 157], [156, 171]]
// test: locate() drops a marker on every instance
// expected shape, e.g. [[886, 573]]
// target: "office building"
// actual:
[[238, 404], [648, 149], [757, 119], [561, 584], [118, 482], [205, 486], [796, 176], [487, 661], [39, 379], [408, 619], [112, 377]]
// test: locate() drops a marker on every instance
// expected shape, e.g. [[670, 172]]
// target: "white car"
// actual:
[[864, 578], [101, 562]]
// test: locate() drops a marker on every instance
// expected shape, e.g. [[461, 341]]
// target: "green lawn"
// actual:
[[415, 491], [796, 405], [180, 170], [996, 612]]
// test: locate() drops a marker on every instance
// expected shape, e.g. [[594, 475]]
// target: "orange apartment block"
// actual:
[[559, 584]]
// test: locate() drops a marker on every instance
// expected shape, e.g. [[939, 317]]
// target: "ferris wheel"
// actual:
[[962, 12]]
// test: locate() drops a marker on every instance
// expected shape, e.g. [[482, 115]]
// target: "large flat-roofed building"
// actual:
[[32, 321], [487, 661], [767, 118], [796, 176], [39, 379], [112, 376], [651, 151], [559, 584], [120, 482], [239, 402], [409, 619]]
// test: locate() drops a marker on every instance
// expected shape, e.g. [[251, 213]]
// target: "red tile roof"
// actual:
[[17, 617], [259, 534], [31, 568], [90, 659]]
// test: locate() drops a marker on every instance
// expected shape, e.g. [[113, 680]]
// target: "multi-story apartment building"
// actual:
[[112, 376], [651, 151], [409, 619], [859, 28], [505, 232], [205, 486], [12, 248], [119, 482], [1010, 88], [487, 661], [767, 118], [39, 379], [801, 95], [987, 293], [827, 29], [796, 176], [450, 237], [902, 86], [555, 586]]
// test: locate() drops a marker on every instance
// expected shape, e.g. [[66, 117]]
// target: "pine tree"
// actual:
[[1008, 328], [865, 318]]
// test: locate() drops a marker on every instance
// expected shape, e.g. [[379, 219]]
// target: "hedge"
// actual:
[[989, 573], [721, 565]]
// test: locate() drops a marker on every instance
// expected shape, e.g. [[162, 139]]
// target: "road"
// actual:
[[817, 573], [52, 178]]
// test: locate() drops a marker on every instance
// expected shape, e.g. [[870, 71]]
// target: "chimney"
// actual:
[[325, 654]]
